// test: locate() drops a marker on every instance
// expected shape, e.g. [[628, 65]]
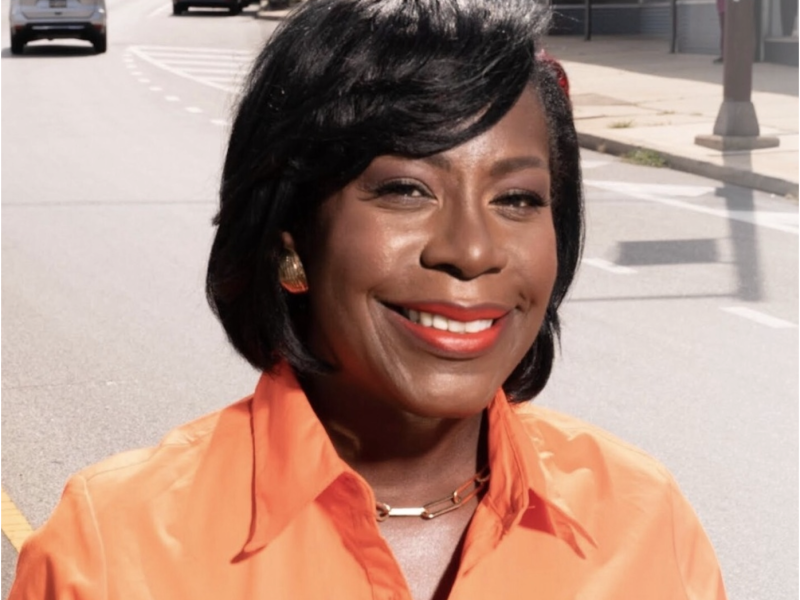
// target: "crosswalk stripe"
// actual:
[[217, 68]]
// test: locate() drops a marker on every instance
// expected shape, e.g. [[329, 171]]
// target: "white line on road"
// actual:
[[136, 73], [155, 88], [759, 317], [171, 98], [219, 122], [161, 65], [780, 221], [144, 81], [607, 265], [194, 109], [593, 164], [173, 49], [161, 9], [204, 59]]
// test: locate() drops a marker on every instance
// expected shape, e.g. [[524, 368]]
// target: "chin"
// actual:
[[449, 397]]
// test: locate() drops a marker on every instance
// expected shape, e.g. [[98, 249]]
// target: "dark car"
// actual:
[[233, 6]]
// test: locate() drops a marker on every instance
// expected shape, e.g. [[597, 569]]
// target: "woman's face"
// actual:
[[429, 278]]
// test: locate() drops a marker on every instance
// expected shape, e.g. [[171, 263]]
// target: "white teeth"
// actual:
[[456, 326], [445, 324], [476, 326], [439, 322]]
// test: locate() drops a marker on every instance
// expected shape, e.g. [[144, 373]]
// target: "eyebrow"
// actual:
[[500, 168]]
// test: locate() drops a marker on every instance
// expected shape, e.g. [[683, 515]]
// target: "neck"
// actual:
[[406, 458]]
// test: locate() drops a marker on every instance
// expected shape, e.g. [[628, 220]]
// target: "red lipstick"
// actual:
[[458, 313], [448, 343]]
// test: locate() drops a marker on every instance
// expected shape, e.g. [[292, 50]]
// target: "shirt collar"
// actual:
[[291, 446], [520, 480]]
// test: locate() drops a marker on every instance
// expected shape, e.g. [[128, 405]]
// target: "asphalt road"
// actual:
[[680, 335]]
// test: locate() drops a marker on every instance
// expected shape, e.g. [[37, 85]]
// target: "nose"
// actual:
[[465, 243]]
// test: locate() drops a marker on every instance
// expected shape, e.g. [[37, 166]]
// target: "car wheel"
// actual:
[[17, 44], [177, 9], [99, 43], [278, 3], [236, 8]]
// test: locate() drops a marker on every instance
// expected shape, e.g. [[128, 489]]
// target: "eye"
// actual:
[[520, 200], [407, 188]]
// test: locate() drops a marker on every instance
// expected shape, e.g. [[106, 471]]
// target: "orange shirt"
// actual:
[[254, 502]]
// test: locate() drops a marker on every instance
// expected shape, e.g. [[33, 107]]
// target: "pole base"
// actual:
[[725, 143], [737, 118]]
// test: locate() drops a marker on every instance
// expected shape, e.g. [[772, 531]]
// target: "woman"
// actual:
[[400, 219]]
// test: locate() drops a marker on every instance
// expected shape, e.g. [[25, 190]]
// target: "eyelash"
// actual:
[[531, 200], [406, 188], [402, 187]]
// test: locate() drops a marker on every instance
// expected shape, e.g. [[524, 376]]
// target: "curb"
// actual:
[[764, 183]]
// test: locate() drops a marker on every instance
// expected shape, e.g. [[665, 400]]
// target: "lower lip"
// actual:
[[455, 345]]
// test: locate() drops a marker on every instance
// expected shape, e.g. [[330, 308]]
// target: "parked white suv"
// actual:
[[57, 19]]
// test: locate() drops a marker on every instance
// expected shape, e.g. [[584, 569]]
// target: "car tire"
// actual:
[[278, 3], [236, 8], [100, 43], [17, 44], [177, 9]]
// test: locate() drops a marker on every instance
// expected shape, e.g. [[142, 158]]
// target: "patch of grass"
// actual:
[[621, 125], [647, 158]]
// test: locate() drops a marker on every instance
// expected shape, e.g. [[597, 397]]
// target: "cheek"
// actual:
[[541, 267]]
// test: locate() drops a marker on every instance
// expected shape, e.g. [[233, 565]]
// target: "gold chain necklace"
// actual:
[[460, 496]]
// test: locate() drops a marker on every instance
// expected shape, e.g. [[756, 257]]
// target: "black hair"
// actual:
[[344, 81]]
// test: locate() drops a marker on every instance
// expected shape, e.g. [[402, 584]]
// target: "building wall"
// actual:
[[698, 27]]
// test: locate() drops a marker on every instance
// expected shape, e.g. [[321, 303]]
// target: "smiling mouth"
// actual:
[[450, 330], [434, 321]]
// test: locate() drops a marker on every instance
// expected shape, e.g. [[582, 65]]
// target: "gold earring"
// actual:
[[291, 273]]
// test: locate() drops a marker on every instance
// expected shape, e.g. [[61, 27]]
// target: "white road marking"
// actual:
[[180, 49], [593, 164], [759, 317], [144, 81], [213, 67], [666, 194], [155, 88], [607, 265], [219, 122], [136, 73], [161, 9], [194, 109], [171, 98]]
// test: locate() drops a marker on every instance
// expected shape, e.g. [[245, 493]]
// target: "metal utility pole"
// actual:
[[587, 20], [736, 127], [673, 11]]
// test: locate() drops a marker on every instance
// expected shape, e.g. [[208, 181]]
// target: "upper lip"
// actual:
[[456, 312]]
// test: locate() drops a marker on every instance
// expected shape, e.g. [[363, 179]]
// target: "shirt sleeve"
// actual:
[[697, 562], [64, 559]]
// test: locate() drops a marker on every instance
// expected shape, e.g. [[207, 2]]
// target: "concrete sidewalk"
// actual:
[[630, 93]]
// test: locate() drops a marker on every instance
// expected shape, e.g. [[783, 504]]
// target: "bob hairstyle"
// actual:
[[344, 81]]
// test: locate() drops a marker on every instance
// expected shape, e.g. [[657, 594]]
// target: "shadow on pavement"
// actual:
[[49, 50]]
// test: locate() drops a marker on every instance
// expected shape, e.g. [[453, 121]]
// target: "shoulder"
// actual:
[[626, 499], [177, 457], [567, 441]]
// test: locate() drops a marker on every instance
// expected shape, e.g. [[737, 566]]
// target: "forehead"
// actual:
[[521, 133]]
